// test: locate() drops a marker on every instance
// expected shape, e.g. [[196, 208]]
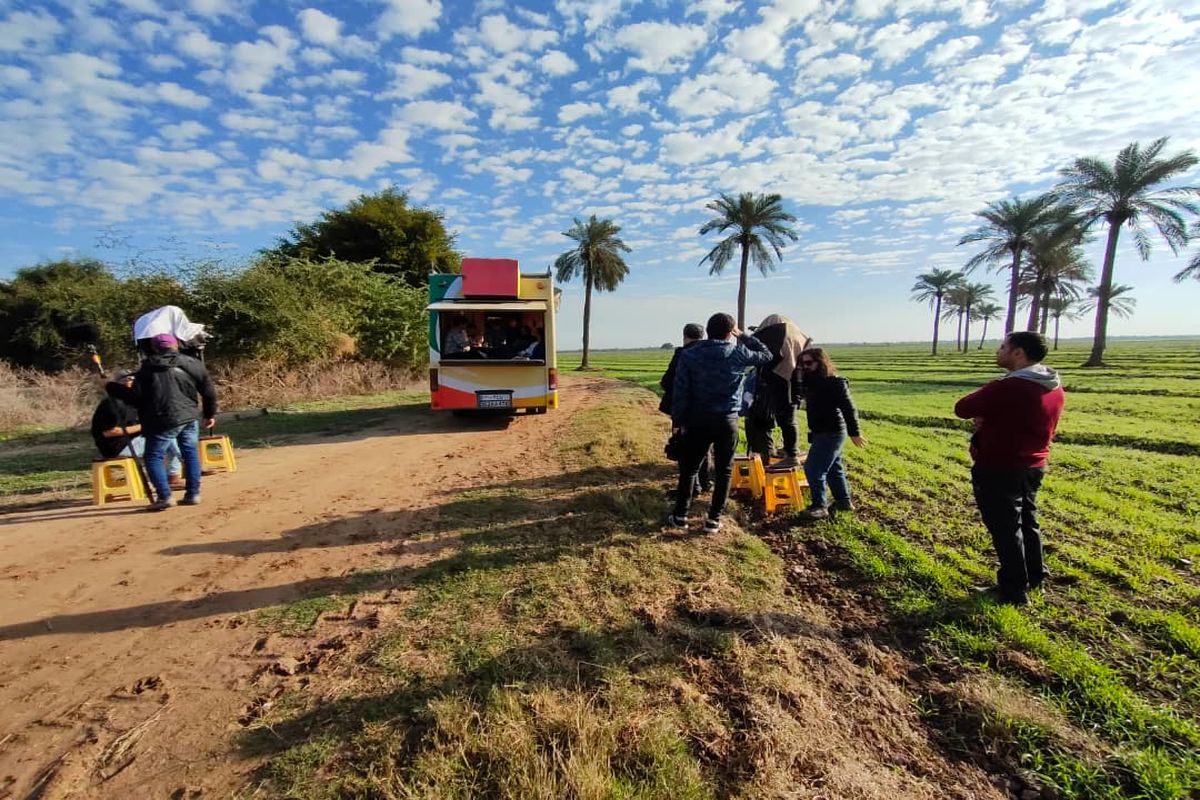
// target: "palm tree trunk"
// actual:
[[1011, 320], [958, 334], [982, 338], [1045, 311], [1057, 319], [967, 330], [587, 317], [741, 318], [1035, 303], [1096, 359], [937, 318]]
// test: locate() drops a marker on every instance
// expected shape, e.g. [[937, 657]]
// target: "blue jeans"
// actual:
[[137, 446], [187, 438], [824, 463]]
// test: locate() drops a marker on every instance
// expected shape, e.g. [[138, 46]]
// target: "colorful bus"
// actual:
[[492, 338]]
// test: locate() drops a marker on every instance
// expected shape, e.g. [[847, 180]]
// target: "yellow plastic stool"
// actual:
[[784, 489], [216, 453], [748, 474], [116, 479]]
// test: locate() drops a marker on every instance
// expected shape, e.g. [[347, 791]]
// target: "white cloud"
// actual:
[[253, 64], [660, 46], [24, 30], [503, 36], [893, 43], [409, 82], [729, 84], [437, 114], [316, 57], [628, 98], [595, 13], [689, 148], [557, 63], [408, 18], [177, 95], [163, 62], [214, 8], [574, 111], [178, 160], [197, 45], [417, 55], [840, 66], [319, 27], [629, 131], [712, 10], [951, 49], [182, 133]]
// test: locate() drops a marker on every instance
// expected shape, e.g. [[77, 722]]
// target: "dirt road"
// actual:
[[125, 653]]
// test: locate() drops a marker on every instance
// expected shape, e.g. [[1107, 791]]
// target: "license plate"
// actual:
[[487, 400]]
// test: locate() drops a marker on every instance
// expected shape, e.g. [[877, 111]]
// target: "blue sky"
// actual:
[[156, 132]]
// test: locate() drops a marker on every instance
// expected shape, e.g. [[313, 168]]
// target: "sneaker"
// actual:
[[190, 500], [161, 505], [679, 523], [784, 464], [712, 525], [813, 512]]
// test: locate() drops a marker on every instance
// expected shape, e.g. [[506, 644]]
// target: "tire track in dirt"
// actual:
[[124, 654]]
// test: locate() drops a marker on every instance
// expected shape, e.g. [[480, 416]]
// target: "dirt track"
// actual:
[[125, 657]]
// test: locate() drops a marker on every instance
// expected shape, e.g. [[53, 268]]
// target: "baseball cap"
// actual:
[[165, 341]]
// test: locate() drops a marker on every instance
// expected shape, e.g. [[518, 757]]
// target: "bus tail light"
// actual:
[[433, 380], [553, 382]]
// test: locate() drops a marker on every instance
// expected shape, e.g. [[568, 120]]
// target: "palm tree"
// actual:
[[1193, 267], [1126, 193], [986, 312], [756, 220], [1059, 307], [1009, 226], [931, 287], [1049, 247], [953, 306], [972, 295], [1119, 301], [1060, 271], [597, 257]]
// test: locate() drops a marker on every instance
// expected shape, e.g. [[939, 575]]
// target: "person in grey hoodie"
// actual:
[[704, 409], [1015, 421]]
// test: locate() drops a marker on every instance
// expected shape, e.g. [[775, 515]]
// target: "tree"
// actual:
[[756, 220], [1117, 298], [1010, 224], [1127, 192], [382, 229], [1193, 267], [1050, 248], [931, 287], [986, 312], [953, 306], [972, 295], [1059, 307], [597, 259]]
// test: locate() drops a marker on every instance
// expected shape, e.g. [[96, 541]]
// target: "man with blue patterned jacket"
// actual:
[[704, 409]]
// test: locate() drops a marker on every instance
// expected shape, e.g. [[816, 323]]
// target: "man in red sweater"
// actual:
[[1015, 419]]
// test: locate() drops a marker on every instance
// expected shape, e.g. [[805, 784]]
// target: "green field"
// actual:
[[1114, 643]]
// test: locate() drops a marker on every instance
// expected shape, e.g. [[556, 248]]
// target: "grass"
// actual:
[[1111, 647]]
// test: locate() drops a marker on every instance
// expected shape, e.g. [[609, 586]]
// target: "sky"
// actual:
[[143, 132]]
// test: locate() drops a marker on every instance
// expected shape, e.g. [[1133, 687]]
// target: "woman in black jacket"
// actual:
[[831, 418]]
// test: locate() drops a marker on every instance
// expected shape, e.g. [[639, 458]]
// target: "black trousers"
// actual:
[[720, 434], [1007, 501], [781, 412]]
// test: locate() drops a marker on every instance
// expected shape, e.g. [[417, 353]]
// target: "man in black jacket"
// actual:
[[166, 391], [117, 431], [692, 333]]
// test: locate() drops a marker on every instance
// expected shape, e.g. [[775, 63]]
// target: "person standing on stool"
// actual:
[[167, 391], [1015, 420], [831, 418], [704, 409]]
